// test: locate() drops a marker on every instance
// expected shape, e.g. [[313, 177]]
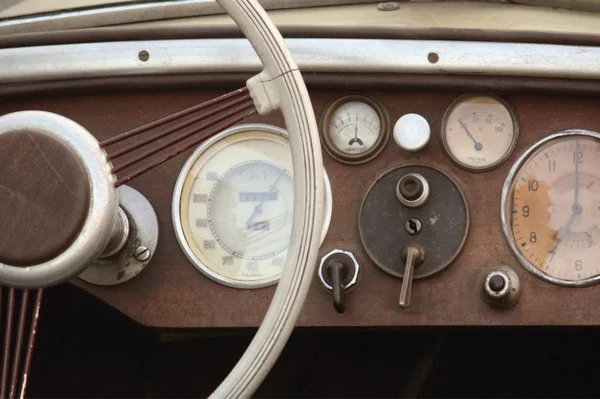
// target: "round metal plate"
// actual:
[[444, 220], [143, 231]]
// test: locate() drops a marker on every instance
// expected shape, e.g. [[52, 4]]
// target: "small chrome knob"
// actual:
[[500, 287], [412, 190]]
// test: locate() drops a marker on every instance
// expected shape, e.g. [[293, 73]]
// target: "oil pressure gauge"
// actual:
[[354, 129], [479, 132]]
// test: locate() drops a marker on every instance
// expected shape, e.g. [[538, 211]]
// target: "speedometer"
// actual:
[[233, 206], [551, 208]]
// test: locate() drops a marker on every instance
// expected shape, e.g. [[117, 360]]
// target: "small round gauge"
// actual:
[[479, 132], [233, 206], [551, 208], [354, 129]]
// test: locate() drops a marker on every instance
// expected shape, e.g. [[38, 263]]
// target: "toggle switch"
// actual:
[[339, 272], [413, 256]]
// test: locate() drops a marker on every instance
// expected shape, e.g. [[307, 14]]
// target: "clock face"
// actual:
[[553, 209]]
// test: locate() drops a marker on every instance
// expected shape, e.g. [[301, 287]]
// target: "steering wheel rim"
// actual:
[[280, 86]]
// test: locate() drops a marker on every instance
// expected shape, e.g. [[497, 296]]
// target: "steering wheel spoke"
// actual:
[[18, 333], [176, 133]]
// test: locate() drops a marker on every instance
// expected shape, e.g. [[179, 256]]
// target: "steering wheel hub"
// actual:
[[57, 199], [44, 197]]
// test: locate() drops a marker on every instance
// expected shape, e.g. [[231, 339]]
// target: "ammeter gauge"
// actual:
[[354, 129]]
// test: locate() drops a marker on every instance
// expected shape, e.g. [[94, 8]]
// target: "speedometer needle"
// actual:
[[258, 207], [478, 145]]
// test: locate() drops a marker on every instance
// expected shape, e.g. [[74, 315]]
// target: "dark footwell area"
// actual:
[[87, 349]]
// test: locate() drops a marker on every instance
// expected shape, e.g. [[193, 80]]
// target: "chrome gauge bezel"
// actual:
[[459, 100], [505, 216], [176, 215], [333, 151]]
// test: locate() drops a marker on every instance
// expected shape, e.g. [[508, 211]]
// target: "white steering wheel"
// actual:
[[278, 87]]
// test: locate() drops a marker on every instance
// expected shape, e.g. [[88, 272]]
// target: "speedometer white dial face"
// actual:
[[249, 209], [233, 206]]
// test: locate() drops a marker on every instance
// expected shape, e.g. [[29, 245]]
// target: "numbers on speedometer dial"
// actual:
[[552, 208], [233, 206], [249, 212]]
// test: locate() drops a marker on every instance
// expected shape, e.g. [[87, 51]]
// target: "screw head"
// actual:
[[388, 6], [142, 253], [413, 226]]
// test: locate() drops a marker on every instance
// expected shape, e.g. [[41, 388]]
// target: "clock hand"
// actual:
[[561, 235], [576, 207]]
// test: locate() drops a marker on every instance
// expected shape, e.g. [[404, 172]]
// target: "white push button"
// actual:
[[412, 132]]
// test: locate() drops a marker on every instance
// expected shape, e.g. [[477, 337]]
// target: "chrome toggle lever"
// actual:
[[413, 256], [339, 272]]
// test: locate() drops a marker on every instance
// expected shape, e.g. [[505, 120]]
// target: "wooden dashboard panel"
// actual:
[[171, 293]]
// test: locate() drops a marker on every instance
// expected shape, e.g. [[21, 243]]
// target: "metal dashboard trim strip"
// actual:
[[201, 56]]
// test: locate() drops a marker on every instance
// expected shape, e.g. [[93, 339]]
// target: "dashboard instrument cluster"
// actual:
[[232, 204], [484, 209]]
